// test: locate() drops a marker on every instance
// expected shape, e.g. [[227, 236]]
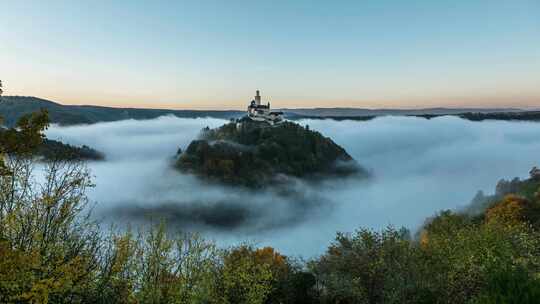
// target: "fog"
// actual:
[[419, 167]]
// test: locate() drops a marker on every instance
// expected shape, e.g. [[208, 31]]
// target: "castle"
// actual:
[[259, 112]]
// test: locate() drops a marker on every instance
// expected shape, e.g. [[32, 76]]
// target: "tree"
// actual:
[[49, 245], [117, 276], [158, 267], [513, 210], [197, 267], [464, 259], [444, 223], [511, 286], [247, 276], [371, 267]]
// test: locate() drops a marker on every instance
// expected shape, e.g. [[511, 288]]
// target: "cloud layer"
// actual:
[[420, 166]]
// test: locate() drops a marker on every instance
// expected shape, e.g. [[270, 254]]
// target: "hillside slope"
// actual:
[[255, 154], [55, 150]]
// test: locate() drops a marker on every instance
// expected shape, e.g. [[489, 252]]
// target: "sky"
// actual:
[[215, 54]]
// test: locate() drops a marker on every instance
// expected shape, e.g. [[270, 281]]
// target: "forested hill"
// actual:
[[49, 150], [255, 154], [56, 150], [13, 107]]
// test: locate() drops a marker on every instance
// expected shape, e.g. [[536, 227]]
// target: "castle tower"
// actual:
[[258, 98]]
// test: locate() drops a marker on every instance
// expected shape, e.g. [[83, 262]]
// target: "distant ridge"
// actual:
[[350, 112], [13, 107]]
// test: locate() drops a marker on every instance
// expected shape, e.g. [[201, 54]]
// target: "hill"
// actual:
[[13, 107], [528, 189], [48, 149], [517, 116], [55, 150], [254, 154]]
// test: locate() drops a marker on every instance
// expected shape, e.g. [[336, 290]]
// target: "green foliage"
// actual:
[[55, 150], [510, 286], [245, 278], [445, 223], [371, 267], [158, 267], [22, 140], [27, 139], [26, 136], [465, 259], [48, 246]]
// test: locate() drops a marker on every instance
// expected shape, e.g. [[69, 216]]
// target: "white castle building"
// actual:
[[262, 112]]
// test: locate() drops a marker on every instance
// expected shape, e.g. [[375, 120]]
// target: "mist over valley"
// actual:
[[418, 167]]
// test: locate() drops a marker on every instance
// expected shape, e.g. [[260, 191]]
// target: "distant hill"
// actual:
[[13, 107], [55, 150], [50, 150], [353, 112], [522, 116], [472, 114]]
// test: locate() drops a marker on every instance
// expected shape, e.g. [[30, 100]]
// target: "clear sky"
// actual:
[[215, 54]]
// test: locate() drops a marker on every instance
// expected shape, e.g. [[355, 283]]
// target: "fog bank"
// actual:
[[419, 166]]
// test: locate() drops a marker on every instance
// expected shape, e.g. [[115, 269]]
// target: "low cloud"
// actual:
[[419, 166]]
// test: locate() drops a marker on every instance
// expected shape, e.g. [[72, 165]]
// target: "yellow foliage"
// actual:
[[510, 210], [248, 275], [16, 273], [424, 239], [277, 262]]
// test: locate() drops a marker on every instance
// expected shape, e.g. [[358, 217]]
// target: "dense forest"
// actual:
[[51, 149], [255, 154], [51, 252]]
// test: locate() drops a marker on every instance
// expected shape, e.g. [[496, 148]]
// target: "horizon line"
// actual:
[[412, 108]]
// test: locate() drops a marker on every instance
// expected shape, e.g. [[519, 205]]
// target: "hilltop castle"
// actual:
[[259, 112]]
